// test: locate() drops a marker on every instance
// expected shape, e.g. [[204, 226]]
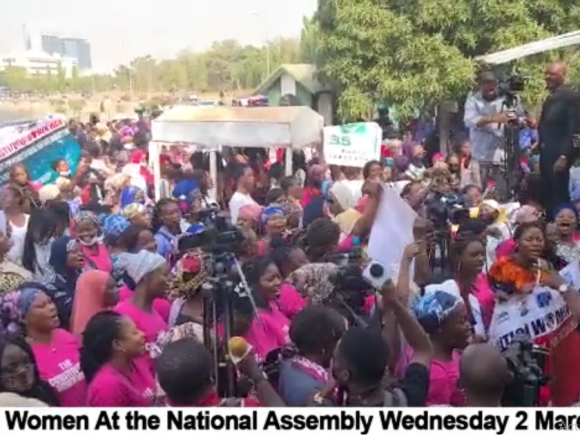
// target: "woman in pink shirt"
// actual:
[[148, 271], [113, 364], [444, 317], [19, 371], [87, 231], [56, 351], [288, 259], [267, 329]]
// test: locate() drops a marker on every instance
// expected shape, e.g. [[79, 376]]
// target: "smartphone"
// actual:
[[376, 274]]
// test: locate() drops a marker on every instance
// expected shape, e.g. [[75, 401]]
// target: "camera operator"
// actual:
[[361, 359], [483, 375], [485, 117]]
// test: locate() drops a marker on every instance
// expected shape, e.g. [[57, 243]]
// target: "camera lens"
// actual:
[[377, 271]]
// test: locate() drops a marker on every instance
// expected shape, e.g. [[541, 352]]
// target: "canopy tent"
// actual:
[[213, 127], [553, 43], [261, 127]]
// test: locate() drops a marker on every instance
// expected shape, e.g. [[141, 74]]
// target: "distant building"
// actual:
[[39, 63], [75, 48]]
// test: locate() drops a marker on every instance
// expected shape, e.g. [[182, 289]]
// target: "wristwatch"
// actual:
[[563, 288]]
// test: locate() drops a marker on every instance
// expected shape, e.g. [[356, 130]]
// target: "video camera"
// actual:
[[510, 87], [525, 361], [445, 209]]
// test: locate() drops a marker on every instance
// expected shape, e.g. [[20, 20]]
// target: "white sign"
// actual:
[[392, 229], [533, 315], [352, 144]]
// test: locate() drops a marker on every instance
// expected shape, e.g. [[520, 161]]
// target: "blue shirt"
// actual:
[[296, 386], [165, 242], [528, 136]]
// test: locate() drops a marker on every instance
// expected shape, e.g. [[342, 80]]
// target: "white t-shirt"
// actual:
[[17, 238], [237, 202]]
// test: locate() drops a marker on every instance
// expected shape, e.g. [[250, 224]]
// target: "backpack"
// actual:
[[395, 398]]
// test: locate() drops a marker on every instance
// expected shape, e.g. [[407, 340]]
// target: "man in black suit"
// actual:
[[559, 122]]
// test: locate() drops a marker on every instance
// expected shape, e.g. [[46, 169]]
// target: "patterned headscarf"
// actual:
[[87, 216], [133, 209], [114, 225], [9, 281], [313, 281], [129, 195], [270, 211], [432, 309], [15, 305], [182, 285], [185, 330]]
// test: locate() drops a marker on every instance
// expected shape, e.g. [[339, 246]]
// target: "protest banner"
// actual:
[[352, 144], [37, 145]]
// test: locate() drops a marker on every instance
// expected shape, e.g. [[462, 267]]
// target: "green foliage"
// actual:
[[226, 66], [415, 52]]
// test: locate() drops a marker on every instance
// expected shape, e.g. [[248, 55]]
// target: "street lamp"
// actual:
[[266, 42]]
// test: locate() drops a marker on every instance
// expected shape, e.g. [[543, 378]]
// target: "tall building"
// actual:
[[74, 48]]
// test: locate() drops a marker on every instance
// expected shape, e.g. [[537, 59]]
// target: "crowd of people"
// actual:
[[103, 297]]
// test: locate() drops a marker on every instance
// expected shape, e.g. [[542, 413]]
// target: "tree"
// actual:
[[309, 40], [415, 52], [14, 78], [226, 65]]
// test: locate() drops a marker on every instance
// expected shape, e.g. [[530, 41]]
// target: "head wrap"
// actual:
[[432, 309], [313, 281], [87, 216], [526, 213], [58, 254], [15, 305], [270, 211], [183, 284], [129, 195], [343, 194], [251, 212], [184, 188], [491, 203], [563, 207], [133, 209], [185, 330], [140, 264], [114, 225]]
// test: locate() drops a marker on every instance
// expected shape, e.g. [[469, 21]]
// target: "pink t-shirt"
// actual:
[[59, 365], [443, 383], [486, 298], [151, 324], [290, 301], [270, 332], [161, 305], [99, 260], [112, 388]]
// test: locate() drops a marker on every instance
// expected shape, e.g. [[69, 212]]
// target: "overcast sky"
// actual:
[[120, 30]]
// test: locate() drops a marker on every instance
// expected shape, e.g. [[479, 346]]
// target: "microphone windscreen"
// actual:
[[238, 348]]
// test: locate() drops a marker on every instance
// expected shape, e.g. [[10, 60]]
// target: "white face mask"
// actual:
[[91, 242], [64, 174]]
